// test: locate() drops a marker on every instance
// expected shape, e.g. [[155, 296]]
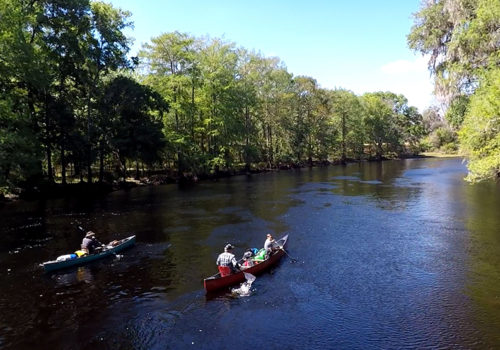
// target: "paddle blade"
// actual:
[[249, 277]]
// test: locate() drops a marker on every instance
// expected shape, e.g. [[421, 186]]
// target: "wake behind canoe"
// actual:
[[108, 251]]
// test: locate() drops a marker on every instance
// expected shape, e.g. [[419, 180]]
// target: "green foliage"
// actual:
[[443, 136], [449, 148], [431, 120], [456, 112], [19, 149], [425, 144], [377, 122], [68, 101], [442, 139], [132, 110], [347, 115], [480, 132], [461, 37]]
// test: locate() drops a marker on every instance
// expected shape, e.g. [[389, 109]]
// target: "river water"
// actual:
[[391, 255]]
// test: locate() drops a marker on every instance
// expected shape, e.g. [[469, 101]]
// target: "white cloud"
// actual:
[[410, 78], [419, 64]]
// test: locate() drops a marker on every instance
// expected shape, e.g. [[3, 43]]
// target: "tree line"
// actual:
[[461, 38], [75, 107]]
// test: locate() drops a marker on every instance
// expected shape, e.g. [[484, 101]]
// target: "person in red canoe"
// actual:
[[248, 259], [226, 262], [270, 245]]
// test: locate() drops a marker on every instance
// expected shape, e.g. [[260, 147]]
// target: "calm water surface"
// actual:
[[392, 255]]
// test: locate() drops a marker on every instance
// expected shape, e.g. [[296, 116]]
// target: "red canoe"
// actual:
[[216, 282]]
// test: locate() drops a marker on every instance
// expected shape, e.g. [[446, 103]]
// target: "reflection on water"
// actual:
[[74, 276], [396, 254], [483, 285]]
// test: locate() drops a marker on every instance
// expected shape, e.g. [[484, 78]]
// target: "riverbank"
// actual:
[[47, 190], [84, 189], [440, 155]]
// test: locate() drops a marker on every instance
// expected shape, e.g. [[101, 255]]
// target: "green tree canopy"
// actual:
[[480, 133]]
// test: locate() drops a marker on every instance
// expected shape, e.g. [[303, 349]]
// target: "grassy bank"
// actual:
[[440, 155]]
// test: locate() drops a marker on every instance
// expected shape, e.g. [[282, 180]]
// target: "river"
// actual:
[[391, 255]]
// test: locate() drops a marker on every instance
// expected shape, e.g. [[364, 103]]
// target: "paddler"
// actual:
[[226, 262], [270, 245], [90, 243], [247, 259]]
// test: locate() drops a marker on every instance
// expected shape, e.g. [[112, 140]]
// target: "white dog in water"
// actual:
[[244, 289]]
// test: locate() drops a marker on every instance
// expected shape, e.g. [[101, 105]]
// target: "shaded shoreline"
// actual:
[[86, 190]]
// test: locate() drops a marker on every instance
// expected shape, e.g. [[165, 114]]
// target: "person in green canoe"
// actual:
[[90, 244]]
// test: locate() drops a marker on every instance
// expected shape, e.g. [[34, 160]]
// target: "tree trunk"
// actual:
[[48, 148], [202, 136], [89, 127], [124, 162], [247, 140], [50, 171], [192, 111], [63, 164], [343, 157], [271, 154], [101, 163], [309, 151], [80, 172], [177, 129], [379, 151]]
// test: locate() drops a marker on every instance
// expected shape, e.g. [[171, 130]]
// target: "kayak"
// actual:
[[73, 260], [216, 282]]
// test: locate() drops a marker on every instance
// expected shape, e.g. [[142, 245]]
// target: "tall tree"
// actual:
[[135, 114], [378, 122], [247, 83], [218, 67], [171, 68], [64, 27], [462, 38], [274, 107], [105, 51], [347, 113]]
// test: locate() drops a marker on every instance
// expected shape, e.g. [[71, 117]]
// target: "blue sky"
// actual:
[[356, 45]]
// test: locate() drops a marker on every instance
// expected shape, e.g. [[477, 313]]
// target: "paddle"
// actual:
[[292, 260]]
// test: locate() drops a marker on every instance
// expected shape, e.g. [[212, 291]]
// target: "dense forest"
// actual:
[[75, 108], [462, 41]]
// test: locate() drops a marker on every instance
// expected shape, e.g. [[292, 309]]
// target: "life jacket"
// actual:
[[224, 270], [79, 253], [248, 263]]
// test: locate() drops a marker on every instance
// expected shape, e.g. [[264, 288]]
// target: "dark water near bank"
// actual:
[[392, 255]]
